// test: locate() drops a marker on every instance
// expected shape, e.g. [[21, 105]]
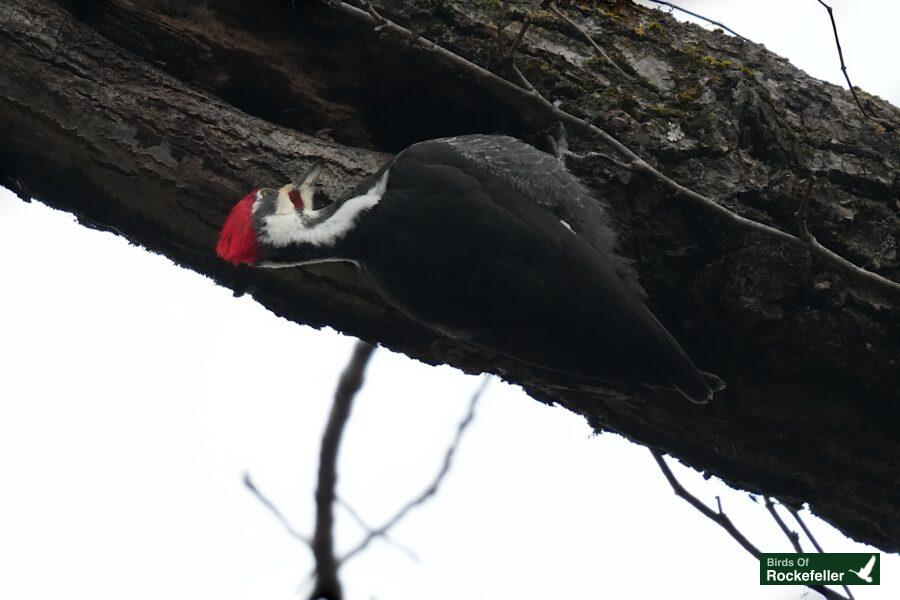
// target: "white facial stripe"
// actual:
[[282, 230], [284, 206]]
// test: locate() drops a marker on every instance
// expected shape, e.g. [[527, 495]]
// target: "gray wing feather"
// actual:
[[541, 178]]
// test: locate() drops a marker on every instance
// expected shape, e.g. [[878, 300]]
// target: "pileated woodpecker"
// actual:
[[475, 237]]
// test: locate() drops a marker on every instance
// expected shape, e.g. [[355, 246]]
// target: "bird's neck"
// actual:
[[322, 237]]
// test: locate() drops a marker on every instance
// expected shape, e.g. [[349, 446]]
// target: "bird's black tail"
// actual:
[[695, 385], [713, 381]]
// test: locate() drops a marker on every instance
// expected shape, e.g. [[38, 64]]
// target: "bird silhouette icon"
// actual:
[[866, 572]]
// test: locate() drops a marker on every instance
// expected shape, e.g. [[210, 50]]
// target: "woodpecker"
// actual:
[[486, 239]]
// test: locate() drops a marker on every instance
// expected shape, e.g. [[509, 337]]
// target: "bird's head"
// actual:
[[267, 220]]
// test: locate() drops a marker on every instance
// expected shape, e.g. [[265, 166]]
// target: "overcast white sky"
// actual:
[[127, 417]]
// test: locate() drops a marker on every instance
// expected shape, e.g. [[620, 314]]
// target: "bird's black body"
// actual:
[[473, 236]]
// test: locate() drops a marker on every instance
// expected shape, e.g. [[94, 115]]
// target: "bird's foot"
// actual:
[[559, 144]]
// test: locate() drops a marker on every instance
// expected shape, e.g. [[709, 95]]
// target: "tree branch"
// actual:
[[815, 543], [294, 533], [590, 40], [432, 489], [369, 530], [722, 520], [792, 536], [837, 41], [327, 583], [701, 17]]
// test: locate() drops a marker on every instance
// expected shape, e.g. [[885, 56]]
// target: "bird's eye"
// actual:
[[296, 198]]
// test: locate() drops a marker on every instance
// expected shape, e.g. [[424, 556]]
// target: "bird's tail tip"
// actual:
[[702, 391], [714, 382]]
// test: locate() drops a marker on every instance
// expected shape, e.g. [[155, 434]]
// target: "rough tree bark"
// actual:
[[150, 119]]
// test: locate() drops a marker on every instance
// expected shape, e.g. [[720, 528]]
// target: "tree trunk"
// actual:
[[151, 119]]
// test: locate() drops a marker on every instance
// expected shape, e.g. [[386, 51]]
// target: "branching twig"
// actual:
[[524, 91], [815, 544], [325, 573], [837, 41], [248, 483], [597, 47], [432, 489], [701, 17], [368, 529], [327, 583], [802, 215], [721, 519], [509, 54]]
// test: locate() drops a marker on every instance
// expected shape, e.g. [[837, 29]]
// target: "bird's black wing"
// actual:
[[540, 179], [582, 314]]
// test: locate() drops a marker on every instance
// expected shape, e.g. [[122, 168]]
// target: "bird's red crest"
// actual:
[[237, 240]]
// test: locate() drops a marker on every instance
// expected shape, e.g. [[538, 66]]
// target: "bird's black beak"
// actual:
[[306, 185]]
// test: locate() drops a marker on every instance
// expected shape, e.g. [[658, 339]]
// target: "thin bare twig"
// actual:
[[701, 17], [500, 23], [596, 155], [722, 520], [506, 57], [815, 544], [519, 37], [248, 483], [597, 47], [791, 535], [432, 489], [368, 529], [803, 526], [802, 214], [524, 91], [327, 583], [837, 42]]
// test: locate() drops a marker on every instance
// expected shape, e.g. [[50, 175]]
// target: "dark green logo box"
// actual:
[[827, 568]]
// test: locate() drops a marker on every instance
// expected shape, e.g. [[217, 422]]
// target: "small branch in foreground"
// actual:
[[248, 483], [802, 214], [837, 41], [524, 91], [506, 58], [721, 519], [368, 529], [805, 529], [520, 36], [432, 489], [701, 17], [791, 535], [815, 543], [597, 47], [327, 584]]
